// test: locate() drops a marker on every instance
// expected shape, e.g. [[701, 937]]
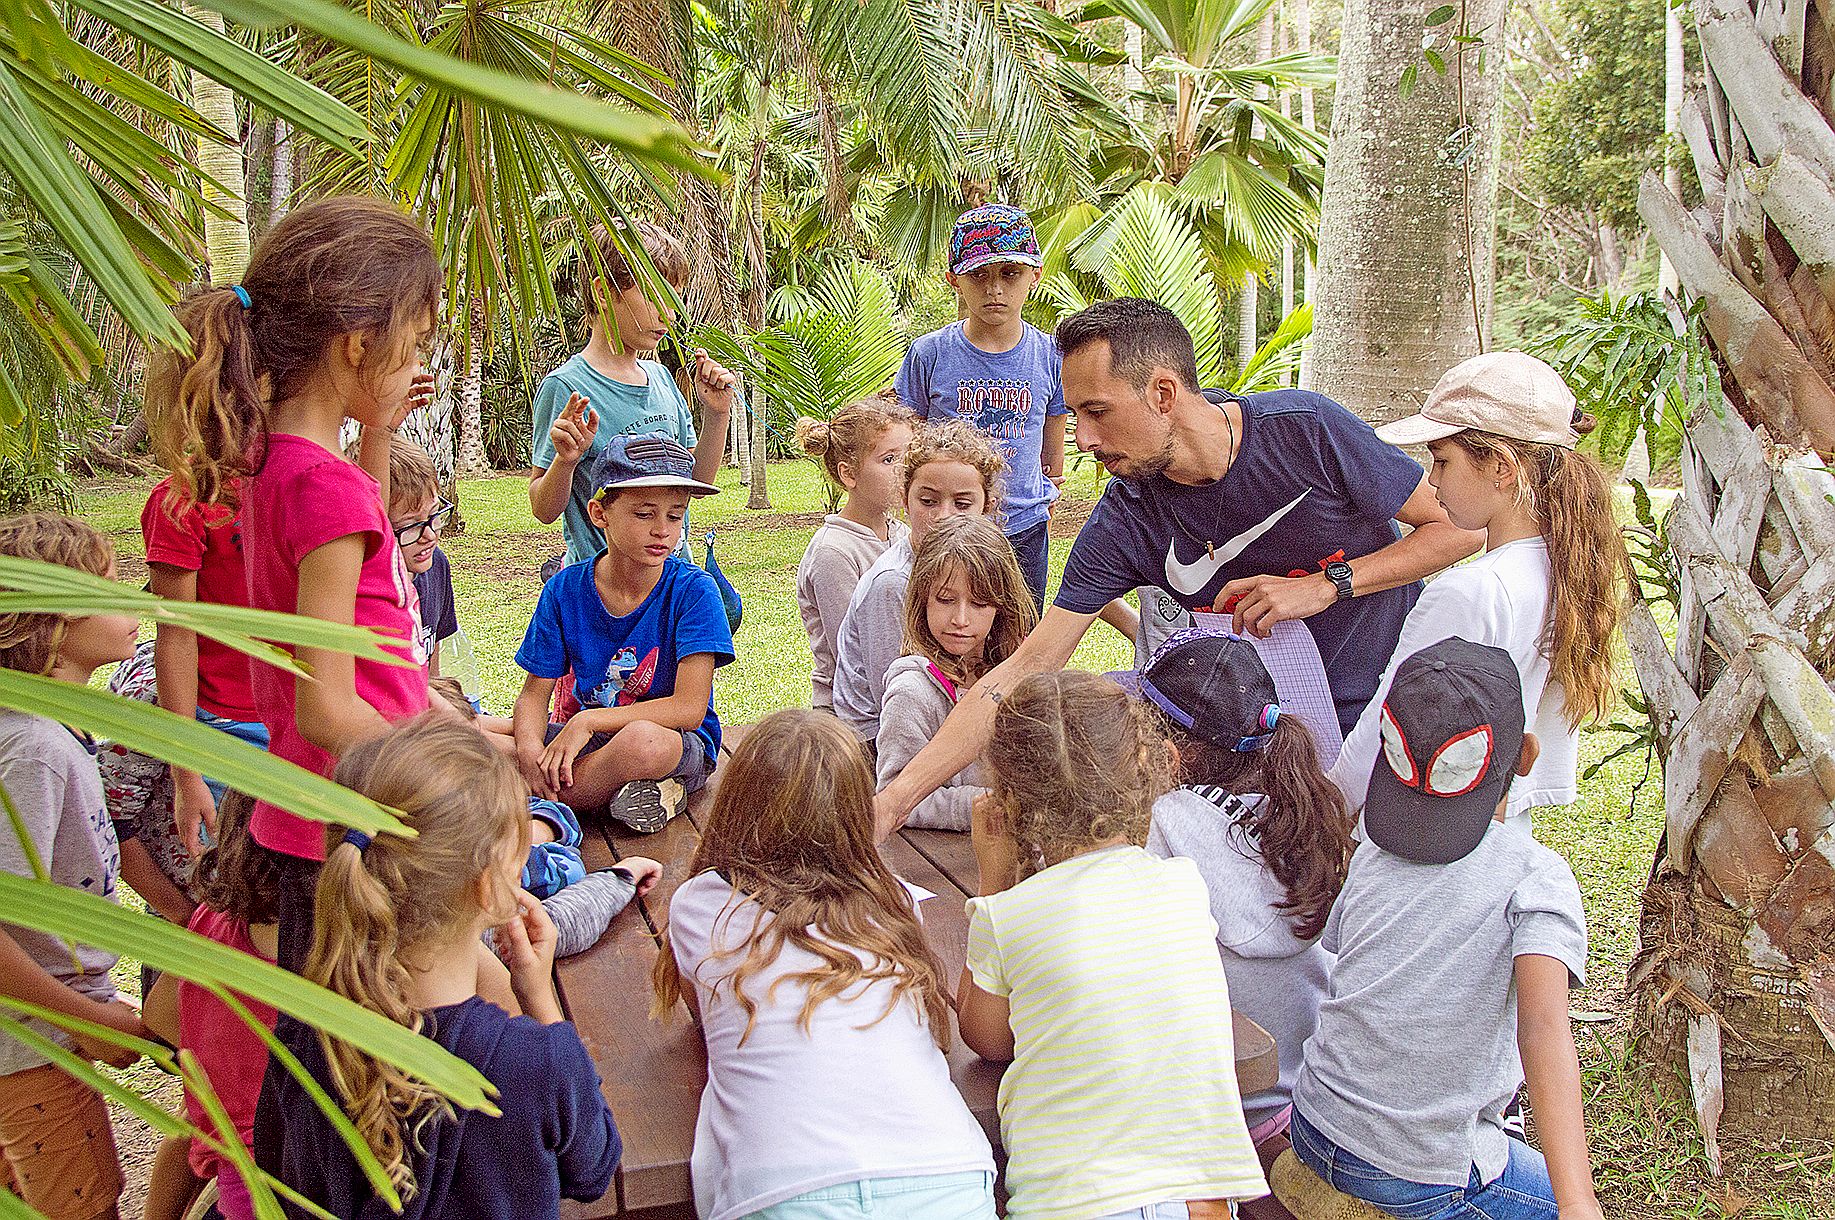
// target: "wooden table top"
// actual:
[[653, 1070]]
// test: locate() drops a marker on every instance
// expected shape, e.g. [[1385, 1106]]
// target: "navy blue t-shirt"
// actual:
[[619, 660], [1311, 483], [554, 1139], [439, 619]]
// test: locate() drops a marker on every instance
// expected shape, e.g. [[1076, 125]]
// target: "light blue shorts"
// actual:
[[937, 1196]]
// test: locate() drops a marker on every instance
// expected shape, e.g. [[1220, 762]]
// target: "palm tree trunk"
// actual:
[[468, 458], [1735, 976], [226, 241], [756, 291], [1405, 237]]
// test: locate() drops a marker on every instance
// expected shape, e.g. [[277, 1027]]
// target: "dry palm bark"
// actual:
[[1736, 974]]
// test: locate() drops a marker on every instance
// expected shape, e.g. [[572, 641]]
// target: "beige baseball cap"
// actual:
[[1505, 393]]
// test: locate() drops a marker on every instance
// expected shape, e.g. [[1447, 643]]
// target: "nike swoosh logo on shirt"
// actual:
[[1188, 578]]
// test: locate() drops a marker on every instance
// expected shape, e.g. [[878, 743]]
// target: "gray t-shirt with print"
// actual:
[[1414, 1058], [52, 779]]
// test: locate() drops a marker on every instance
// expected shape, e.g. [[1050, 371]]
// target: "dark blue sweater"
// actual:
[[555, 1137]]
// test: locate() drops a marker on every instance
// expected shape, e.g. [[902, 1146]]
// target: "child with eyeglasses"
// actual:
[[418, 514]]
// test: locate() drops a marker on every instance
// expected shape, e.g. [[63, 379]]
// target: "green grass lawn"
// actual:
[[1645, 1148]]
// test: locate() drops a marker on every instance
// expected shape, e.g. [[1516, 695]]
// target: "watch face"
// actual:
[[1338, 570]]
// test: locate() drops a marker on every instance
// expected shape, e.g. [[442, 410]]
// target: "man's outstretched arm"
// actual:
[[965, 734]]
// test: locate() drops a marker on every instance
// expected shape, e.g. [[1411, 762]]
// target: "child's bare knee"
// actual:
[[650, 750]]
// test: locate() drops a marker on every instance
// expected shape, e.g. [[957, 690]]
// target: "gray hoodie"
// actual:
[[1276, 979], [915, 707]]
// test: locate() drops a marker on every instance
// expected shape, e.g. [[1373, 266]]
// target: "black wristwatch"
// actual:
[[1339, 573]]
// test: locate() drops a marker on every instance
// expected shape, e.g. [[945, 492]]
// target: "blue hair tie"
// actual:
[[242, 295], [358, 840], [1271, 716]]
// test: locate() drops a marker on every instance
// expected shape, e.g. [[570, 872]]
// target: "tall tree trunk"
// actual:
[[220, 170], [286, 157], [468, 456], [1405, 239], [1309, 115], [1674, 82], [756, 291], [1735, 976]]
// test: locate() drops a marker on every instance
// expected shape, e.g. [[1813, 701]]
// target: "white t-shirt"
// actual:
[[1500, 599], [853, 1097], [1122, 1092]]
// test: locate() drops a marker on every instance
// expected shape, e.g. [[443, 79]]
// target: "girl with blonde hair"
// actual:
[[804, 959], [950, 470], [862, 451], [1092, 967], [396, 929], [1549, 588], [967, 610]]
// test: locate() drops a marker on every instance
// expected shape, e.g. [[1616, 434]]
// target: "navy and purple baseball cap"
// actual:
[[1452, 729], [647, 459], [993, 233], [1212, 685]]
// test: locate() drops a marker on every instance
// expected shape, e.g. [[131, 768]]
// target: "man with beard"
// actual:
[[1268, 507]]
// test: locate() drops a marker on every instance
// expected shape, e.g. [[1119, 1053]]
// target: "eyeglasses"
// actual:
[[442, 513]]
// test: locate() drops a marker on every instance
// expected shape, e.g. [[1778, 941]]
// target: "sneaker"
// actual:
[[646, 804]]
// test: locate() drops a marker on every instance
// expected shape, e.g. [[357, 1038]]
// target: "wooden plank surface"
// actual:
[[653, 1072]]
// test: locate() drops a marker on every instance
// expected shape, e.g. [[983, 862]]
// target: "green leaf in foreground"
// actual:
[[186, 743], [92, 920]]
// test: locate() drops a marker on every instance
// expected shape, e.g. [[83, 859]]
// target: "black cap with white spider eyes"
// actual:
[[1452, 730]]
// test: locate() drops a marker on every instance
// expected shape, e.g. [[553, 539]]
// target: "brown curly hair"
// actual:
[[29, 642], [954, 440], [236, 875], [791, 831], [1075, 761]]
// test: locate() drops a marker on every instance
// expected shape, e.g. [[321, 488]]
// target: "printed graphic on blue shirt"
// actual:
[[619, 660]]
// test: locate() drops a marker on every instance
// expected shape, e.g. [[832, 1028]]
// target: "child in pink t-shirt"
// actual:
[[239, 881], [324, 327]]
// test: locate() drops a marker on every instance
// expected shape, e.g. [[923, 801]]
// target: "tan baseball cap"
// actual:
[[1505, 393]]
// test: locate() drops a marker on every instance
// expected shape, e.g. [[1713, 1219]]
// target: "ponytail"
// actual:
[[356, 948], [1571, 500], [379, 900], [346, 265], [1301, 826]]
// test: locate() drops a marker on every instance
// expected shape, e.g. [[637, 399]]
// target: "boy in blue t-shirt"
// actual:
[[1000, 373], [604, 390], [642, 631]]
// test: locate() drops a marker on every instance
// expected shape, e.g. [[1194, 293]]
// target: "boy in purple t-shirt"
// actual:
[[998, 372]]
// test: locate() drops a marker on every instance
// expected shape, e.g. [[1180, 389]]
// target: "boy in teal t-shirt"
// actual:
[[604, 390]]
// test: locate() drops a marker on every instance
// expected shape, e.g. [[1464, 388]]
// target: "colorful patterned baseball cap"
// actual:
[[993, 233]]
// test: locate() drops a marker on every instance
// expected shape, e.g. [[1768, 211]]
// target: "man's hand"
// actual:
[[192, 807], [557, 759], [1259, 602], [713, 383], [645, 873], [573, 431]]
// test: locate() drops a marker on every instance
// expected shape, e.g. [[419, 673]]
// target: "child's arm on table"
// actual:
[[983, 1019], [175, 676], [1551, 1067], [684, 708], [143, 875], [330, 713], [24, 979], [528, 725]]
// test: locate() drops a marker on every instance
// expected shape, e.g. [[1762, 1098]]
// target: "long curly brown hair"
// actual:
[[791, 831], [1568, 494], [1301, 827], [1075, 761], [344, 265]]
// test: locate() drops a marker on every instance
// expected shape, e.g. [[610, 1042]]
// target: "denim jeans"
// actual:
[[252, 731], [1521, 1192], [1032, 548], [945, 1196]]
